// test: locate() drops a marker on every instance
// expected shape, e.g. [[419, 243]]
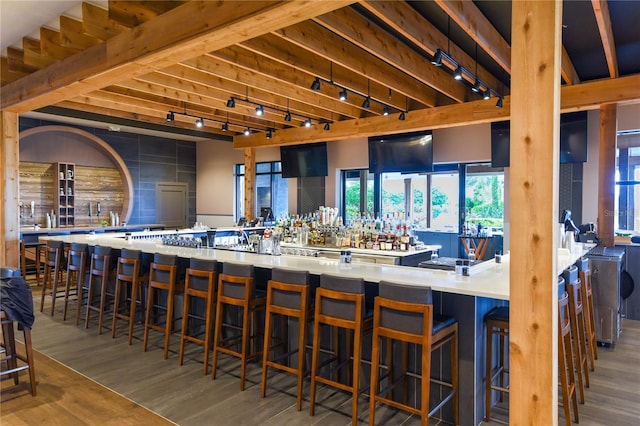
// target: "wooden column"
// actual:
[[607, 173], [249, 182], [535, 113], [9, 212]]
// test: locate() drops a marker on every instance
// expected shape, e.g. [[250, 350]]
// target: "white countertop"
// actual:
[[488, 279]]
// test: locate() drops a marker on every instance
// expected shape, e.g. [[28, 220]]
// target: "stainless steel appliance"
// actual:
[[606, 266]]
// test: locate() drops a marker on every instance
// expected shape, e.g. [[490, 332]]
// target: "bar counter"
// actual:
[[468, 298]]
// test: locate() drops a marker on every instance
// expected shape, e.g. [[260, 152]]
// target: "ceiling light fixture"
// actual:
[[307, 122], [402, 116], [199, 122], [487, 95], [327, 126], [366, 103], [225, 126], [500, 102], [385, 110], [231, 103], [315, 86], [247, 131], [437, 58], [269, 134], [259, 110], [342, 95], [476, 86], [457, 74], [170, 116]]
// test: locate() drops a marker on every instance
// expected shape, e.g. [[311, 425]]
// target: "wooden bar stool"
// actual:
[[16, 292], [497, 322], [200, 283], [405, 314], [162, 278], [566, 367], [76, 269], [340, 304], [53, 272], [287, 296], [236, 287], [99, 274], [584, 274], [129, 276], [578, 335]]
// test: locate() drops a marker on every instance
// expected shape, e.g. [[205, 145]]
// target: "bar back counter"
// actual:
[[467, 298]]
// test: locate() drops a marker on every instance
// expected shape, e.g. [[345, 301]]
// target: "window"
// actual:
[[358, 190], [271, 189], [484, 197], [627, 195]]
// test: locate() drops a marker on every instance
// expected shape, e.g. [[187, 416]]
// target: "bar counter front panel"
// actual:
[[467, 298]]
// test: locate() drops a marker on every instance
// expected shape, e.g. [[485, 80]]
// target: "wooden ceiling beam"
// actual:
[[568, 72], [322, 42], [414, 27], [601, 10], [72, 34], [356, 29], [187, 31], [588, 95], [97, 23], [33, 54], [134, 13], [51, 43], [290, 54]]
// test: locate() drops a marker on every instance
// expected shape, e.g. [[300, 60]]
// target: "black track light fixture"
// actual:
[[437, 58], [247, 131], [316, 84], [366, 103], [476, 86], [327, 126], [307, 122], [225, 126], [170, 116], [259, 111], [287, 116], [199, 122], [385, 110], [487, 95], [457, 74], [402, 116], [269, 134], [231, 103], [342, 95], [500, 102]]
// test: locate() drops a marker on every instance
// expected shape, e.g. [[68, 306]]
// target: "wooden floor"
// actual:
[[184, 396]]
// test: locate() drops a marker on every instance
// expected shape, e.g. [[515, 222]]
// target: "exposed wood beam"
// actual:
[[97, 23], [407, 21], [289, 54], [356, 29], [601, 10], [582, 96], [330, 46], [134, 13], [51, 43], [569, 73], [533, 188], [9, 182], [182, 33], [606, 174], [72, 34], [477, 26]]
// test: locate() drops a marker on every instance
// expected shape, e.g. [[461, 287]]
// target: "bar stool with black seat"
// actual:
[[162, 278], [199, 284], [237, 288], [99, 275], [76, 271], [405, 314], [340, 304], [16, 306], [584, 274], [53, 272], [497, 322], [287, 297], [578, 335], [566, 367], [128, 288]]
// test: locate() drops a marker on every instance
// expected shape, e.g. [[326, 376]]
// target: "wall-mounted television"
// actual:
[[573, 140], [573, 137], [406, 153], [304, 160]]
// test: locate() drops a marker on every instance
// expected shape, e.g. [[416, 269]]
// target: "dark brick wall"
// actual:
[[150, 159]]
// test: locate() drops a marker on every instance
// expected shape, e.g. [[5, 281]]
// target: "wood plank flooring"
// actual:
[[185, 396]]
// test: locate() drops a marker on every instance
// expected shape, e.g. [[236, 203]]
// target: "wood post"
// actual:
[[9, 178], [249, 182], [535, 115], [607, 173]]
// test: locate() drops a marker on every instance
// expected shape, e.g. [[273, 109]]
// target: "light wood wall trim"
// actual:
[[606, 174], [102, 146], [249, 182], [9, 211], [533, 346]]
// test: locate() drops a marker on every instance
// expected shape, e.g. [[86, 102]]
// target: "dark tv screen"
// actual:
[[500, 150], [573, 137], [304, 160], [407, 153]]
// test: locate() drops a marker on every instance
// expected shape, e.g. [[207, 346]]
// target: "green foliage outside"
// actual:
[[485, 201]]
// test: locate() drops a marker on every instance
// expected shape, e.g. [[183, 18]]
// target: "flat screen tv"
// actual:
[[304, 160], [406, 153], [573, 137], [500, 144]]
